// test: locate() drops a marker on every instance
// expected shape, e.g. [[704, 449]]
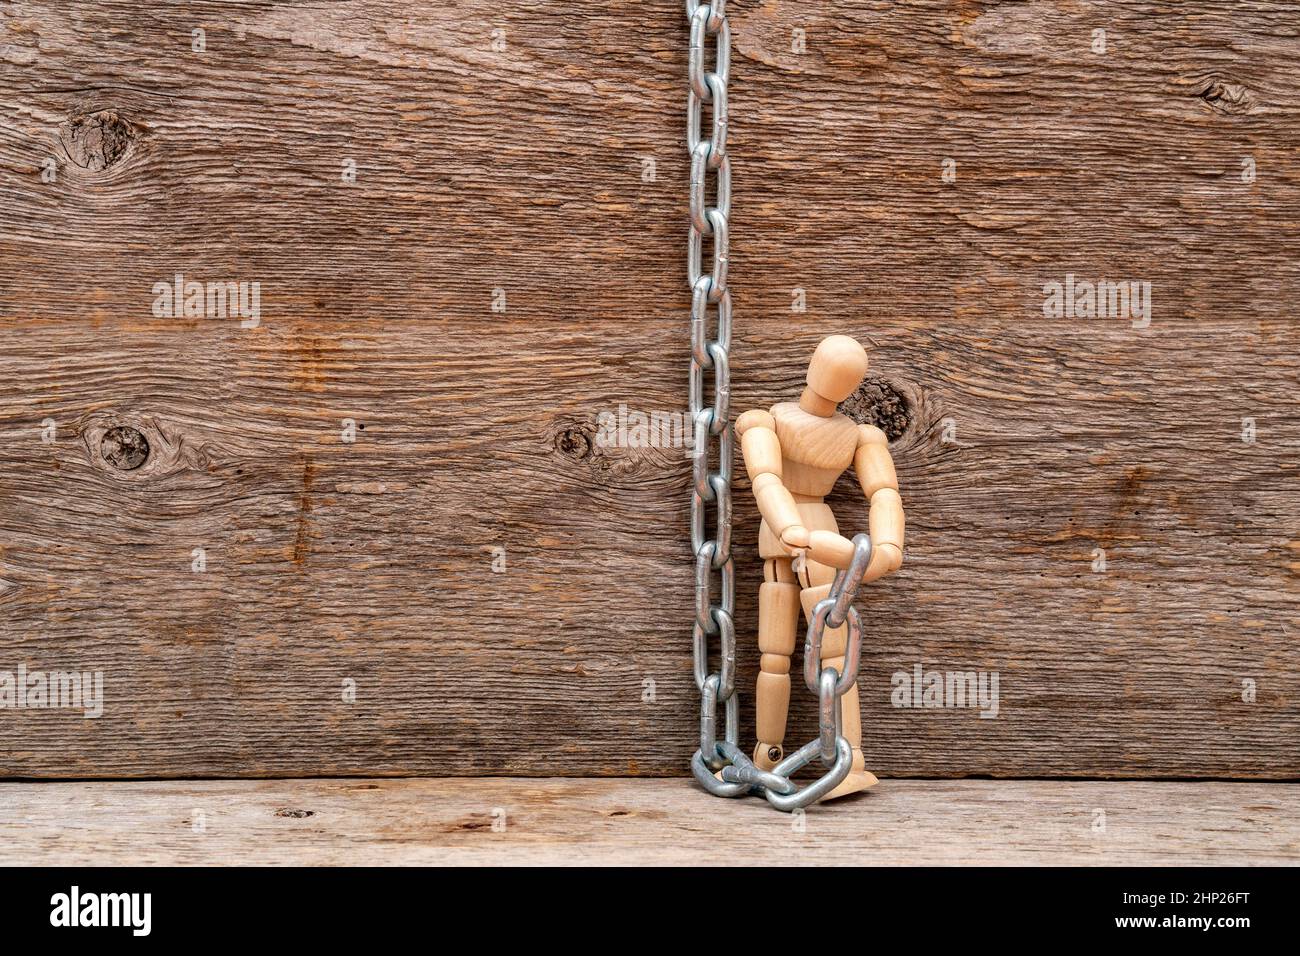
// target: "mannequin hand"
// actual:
[[831, 549], [795, 536]]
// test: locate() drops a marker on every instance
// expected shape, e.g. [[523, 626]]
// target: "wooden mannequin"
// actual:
[[794, 454]]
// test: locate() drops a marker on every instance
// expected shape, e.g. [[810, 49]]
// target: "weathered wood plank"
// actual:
[[522, 170], [552, 820]]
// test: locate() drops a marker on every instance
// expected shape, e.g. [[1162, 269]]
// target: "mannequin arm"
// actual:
[[879, 483], [761, 450]]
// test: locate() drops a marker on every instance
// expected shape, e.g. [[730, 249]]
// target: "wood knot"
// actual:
[[294, 813], [125, 448], [877, 402], [98, 140], [471, 825], [623, 445], [1224, 97], [137, 447], [575, 442]]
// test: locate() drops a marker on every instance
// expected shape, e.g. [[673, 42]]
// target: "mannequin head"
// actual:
[[837, 368]]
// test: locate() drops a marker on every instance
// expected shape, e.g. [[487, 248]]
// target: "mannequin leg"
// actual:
[[778, 621]]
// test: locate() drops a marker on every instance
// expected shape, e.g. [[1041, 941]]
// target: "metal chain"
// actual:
[[716, 619], [713, 619]]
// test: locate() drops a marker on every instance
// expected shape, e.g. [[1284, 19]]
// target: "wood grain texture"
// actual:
[[1023, 443], [558, 821]]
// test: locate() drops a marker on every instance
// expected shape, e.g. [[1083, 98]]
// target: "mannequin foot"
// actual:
[[857, 780]]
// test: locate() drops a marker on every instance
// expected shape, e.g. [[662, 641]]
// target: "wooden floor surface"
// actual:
[[647, 821]]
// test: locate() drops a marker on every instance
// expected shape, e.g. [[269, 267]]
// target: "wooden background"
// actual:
[[521, 169]]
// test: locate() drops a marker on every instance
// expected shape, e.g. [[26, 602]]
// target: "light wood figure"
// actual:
[[794, 453]]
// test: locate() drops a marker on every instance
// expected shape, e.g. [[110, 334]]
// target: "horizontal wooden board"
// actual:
[[557, 821], [349, 619]]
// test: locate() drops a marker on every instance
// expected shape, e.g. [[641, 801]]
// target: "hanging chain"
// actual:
[[712, 555], [713, 561], [709, 27]]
